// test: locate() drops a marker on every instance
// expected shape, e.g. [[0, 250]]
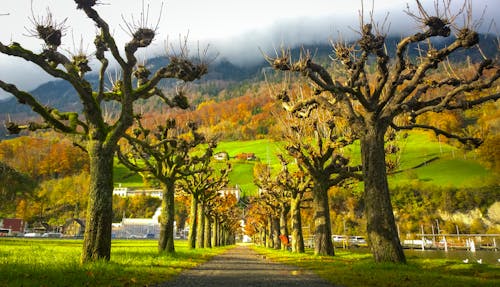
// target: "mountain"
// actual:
[[60, 95]]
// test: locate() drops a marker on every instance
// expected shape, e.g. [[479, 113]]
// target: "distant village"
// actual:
[[127, 228]]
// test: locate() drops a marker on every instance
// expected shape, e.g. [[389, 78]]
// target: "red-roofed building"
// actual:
[[14, 225]]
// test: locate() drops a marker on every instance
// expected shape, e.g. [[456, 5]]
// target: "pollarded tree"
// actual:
[[317, 143], [99, 133], [164, 154], [295, 184], [271, 197], [394, 95], [199, 180]]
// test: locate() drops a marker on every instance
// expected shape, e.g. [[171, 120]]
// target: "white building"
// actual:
[[125, 192]]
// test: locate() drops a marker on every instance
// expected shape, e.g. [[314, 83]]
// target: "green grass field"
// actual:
[[451, 166], [44, 262], [359, 270]]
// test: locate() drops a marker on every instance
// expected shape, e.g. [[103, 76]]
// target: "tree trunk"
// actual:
[[381, 226], [208, 232], [323, 231], [285, 209], [297, 237], [193, 222], [263, 232], [215, 238], [166, 242], [269, 239], [97, 239], [200, 231], [276, 232]]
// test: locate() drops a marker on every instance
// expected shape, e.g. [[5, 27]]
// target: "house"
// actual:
[[74, 227], [12, 226], [236, 191], [221, 156], [246, 156]]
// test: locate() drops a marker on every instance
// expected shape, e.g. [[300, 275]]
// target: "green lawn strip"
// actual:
[[355, 269], [37, 262]]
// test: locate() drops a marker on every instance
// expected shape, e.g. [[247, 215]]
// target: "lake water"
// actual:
[[489, 257]]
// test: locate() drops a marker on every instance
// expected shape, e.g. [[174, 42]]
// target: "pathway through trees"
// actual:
[[241, 266]]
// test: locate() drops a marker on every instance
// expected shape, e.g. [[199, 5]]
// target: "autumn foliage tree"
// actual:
[[373, 92], [99, 132]]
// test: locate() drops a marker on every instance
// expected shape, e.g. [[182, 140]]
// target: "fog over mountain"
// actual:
[[235, 30]]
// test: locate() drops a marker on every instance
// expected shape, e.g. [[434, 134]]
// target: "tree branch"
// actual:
[[26, 98], [465, 140]]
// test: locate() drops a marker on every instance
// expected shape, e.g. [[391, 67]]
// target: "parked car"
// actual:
[[52, 235], [339, 238], [358, 241], [32, 234]]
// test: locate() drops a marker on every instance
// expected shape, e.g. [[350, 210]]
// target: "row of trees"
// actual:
[[180, 158], [99, 132], [363, 97], [393, 96]]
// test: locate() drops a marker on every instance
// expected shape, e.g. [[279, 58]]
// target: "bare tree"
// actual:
[[394, 95], [200, 180], [164, 154], [99, 134], [317, 143], [296, 185]]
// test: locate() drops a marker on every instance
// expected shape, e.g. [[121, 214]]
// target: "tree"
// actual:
[[317, 143], [272, 197], [200, 179], [394, 95], [100, 132], [15, 187], [164, 154], [296, 184]]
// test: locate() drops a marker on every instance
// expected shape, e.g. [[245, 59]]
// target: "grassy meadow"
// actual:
[[447, 165], [353, 269], [46, 262]]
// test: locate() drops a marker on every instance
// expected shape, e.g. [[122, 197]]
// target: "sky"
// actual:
[[235, 29]]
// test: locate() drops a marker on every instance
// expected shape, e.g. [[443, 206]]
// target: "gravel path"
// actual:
[[242, 266]]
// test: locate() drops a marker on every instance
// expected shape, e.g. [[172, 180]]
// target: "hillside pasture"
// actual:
[[421, 158]]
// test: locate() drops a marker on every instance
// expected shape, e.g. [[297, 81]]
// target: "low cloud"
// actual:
[[244, 48]]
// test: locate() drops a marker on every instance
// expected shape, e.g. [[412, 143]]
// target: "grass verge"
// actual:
[[39, 262], [356, 269]]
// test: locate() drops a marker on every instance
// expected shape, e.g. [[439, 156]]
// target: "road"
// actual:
[[241, 266]]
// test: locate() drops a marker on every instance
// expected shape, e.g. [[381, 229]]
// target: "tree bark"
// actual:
[[276, 232], [297, 237], [381, 226], [193, 222], [215, 239], [208, 232], [269, 239], [285, 209], [200, 231], [322, 225], [97, 239], [166, 242]]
